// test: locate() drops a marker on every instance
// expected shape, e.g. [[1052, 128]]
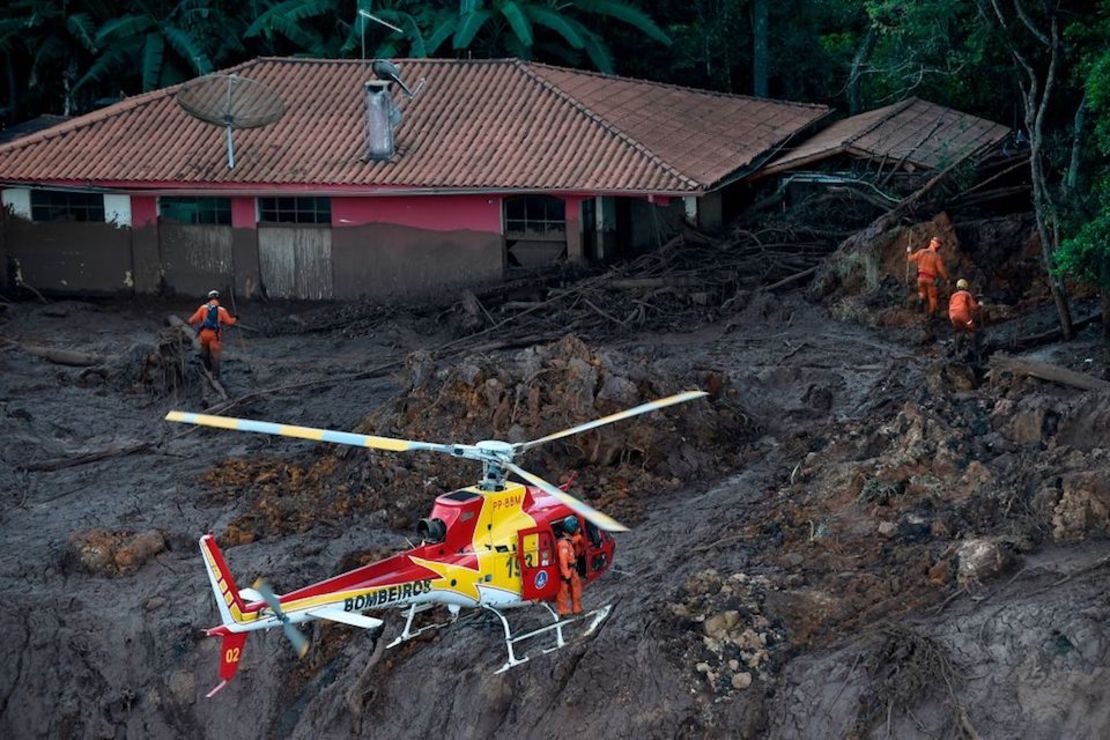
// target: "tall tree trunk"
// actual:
[[1035, 103], [855, 76], [760, 54]]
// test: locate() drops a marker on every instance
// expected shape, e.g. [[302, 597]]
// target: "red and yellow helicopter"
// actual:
[[488, 546]]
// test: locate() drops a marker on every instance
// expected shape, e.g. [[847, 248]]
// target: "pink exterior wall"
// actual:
[[144, 211], [431, 212], [243, 214]]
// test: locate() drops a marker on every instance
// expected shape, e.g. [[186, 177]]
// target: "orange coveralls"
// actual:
[[961, 311], [929, 267], [570, 586], [210, 338]]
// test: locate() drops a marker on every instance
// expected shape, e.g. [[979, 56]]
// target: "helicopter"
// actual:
[[489, 546]]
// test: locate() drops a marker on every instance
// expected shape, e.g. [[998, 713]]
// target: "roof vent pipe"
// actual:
[[382, 116]]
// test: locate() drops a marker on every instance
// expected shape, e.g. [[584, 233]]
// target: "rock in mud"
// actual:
[[719, 625], [112, 554], [981, 559], [741, 681], [1084, 506]]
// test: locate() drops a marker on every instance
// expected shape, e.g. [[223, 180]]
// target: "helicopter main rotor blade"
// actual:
[[634, 411], [317, 435], [603, 521]]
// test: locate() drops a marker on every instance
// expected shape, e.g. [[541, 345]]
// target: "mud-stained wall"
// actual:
[[387, 260], [244, 254], [296, 261], [145, 254], [195, 257], [71, 256]]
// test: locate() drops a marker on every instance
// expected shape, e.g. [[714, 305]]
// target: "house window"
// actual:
[[535, 218], [294, 210], [195, 210], [59, 205]]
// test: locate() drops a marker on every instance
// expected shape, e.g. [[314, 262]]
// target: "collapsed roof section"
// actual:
[[913, 132]]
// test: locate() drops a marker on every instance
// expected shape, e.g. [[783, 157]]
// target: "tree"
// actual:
[[1021, 32], [1086, 254], [511, 25], [158, 44], [52, 43], [760, 52]]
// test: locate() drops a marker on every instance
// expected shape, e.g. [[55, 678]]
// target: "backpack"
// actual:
[[211, 320]]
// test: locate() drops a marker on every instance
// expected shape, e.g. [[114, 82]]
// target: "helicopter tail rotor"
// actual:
[[295, 636]]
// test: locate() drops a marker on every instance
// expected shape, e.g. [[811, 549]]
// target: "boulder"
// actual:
[[980, 559], [719, 625]]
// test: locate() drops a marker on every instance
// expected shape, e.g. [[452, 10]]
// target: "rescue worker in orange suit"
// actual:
[[962, 312], [210, 319], [930, 266], [570, 588]]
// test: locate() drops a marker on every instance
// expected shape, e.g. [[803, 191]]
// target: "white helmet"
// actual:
[[213, 294]]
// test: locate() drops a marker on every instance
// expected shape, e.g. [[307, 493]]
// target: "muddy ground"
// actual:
[[873, 541]]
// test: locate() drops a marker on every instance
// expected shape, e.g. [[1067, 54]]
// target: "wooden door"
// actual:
[[295, 262]]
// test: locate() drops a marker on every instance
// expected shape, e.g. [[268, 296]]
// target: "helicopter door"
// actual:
[[539, 571], [599, 551]]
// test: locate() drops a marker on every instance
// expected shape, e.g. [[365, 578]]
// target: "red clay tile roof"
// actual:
[[476, 125], [923, 133]]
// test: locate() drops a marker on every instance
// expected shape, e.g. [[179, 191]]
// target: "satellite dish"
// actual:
[[232, 102]]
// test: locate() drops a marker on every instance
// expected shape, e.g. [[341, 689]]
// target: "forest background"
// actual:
[[1039, 66]]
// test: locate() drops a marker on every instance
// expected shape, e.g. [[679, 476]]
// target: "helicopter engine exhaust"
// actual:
[[431, 530]]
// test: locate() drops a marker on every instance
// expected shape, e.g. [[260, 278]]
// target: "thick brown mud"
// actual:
[[853, 537]]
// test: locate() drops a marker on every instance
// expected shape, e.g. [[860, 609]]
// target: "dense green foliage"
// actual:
[[1087, 253], [70, 56]]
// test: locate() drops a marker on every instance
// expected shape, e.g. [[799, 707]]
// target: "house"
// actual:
[[493, 163], [26, 128], [913, 135]]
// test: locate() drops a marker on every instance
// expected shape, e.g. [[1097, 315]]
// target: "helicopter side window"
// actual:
[[593, 533]]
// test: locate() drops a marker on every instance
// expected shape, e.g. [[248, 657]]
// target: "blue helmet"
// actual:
[[570, 524]]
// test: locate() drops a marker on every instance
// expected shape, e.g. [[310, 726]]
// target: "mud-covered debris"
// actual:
[[112, 554], [1084, 506], [516, 397], [906, 668], [981, 559], [737, 638]]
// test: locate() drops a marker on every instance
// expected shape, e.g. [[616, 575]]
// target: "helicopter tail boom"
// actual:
[[228, 600]]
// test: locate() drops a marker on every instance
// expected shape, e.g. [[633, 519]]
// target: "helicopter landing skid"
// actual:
[[408, 633], [593, 619]]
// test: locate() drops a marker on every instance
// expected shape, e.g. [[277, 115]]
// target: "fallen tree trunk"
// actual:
[[1020, 344], [792, 278], [69, 462], [68, 357], [1045, 371]]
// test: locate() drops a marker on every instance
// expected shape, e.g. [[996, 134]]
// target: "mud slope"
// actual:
[[765, 599]]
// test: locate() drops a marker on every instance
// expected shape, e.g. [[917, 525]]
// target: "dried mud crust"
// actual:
[[522, 396]]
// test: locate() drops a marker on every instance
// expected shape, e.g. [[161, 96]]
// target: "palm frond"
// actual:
[[518, 21], [154, 51], [469, 27], [125, 27], [626, 13], [554, 20], [111, 59], [188, 48], [82, 28]]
